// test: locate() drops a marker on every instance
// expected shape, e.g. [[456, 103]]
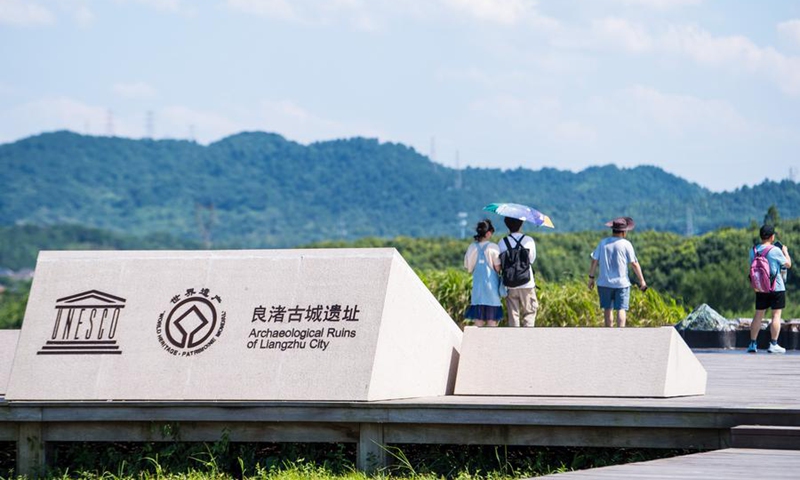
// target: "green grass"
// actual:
[[225, 460]]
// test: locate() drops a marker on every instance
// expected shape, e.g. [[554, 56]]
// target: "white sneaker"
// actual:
[[775, 348]]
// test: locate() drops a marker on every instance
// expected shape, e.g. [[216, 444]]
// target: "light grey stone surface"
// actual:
[[590, 362], [202, 325], [8, 345]]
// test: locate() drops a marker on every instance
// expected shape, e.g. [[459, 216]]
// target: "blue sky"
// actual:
[[708, 90]]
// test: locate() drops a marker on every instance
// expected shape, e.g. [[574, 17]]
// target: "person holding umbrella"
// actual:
[[517, 254], [613, 255], [482, 260], [521, 300]]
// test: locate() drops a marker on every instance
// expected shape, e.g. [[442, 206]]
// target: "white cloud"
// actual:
[[49, 114], [543, 116], [24, 13], [354, 13], [180, 7], [173, 6], [82, 14], [505, 12], [492, 79], [184, 122], [790, 30], [134, 90], [619, 33], [282, 116], [571, 131], [64, 113], [175, 121], [375, 15], [735, 53], [78, 11], [648, 112], [659, 4], [608, 34], [299, 123], [280, 9]]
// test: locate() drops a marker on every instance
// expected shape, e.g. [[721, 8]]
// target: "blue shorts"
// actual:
[[614, 298]]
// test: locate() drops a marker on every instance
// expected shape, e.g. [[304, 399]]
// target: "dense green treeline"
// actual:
[[710, 268], [683, 272], [21, 244], [256, 190], [13, 301]]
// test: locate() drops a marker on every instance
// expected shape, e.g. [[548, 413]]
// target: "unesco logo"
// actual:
[[192, 324], [85, 324]]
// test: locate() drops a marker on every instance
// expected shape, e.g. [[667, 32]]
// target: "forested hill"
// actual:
[[268, 191]]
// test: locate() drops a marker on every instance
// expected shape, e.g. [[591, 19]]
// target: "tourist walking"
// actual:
[[482, 260], [613, 255], [769, 285], [517, 271]]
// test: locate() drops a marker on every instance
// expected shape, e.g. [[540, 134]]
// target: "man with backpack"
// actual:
[[517, 254], [766, 260], [613, 255]]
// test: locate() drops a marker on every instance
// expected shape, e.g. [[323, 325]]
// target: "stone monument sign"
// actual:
[[8, 345], [580, 362], [317, 324]]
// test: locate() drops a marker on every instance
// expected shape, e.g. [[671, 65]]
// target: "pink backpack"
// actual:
[[760, 278]]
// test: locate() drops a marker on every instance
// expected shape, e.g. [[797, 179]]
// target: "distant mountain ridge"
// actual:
[[260, 190]]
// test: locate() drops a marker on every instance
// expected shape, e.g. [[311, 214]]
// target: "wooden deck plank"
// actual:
[[729, 464], [742, 390], [736, 380], [748, 389]]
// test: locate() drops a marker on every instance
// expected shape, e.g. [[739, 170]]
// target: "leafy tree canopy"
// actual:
[[257, 189]]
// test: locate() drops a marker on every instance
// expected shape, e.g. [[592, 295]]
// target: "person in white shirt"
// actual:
[[521, 301], [613, 255]]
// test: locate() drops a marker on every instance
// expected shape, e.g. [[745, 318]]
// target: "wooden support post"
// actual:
[[31, 459], [371, 452]]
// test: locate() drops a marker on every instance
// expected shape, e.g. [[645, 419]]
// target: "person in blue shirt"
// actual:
[[776, 299], [612, 257], [482, 260]]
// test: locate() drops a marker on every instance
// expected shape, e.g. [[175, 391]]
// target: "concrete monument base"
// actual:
[[578, 362]]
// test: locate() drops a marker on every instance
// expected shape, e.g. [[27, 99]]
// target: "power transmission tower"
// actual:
[[432, 155], [205, 217], [462, 223], [459, 179], [110, 123], [149, 127]]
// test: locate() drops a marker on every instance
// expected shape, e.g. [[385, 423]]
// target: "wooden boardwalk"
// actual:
[[742, 389], [728, 464]]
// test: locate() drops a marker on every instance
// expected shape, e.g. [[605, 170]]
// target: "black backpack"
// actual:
[[515, 264]]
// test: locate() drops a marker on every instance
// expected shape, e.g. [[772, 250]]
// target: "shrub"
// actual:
[[569, 304]]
